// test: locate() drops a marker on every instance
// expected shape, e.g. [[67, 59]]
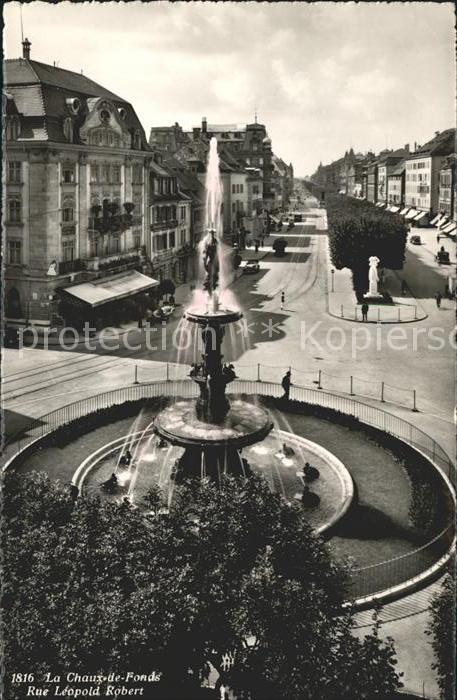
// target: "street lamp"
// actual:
[[333, 279]]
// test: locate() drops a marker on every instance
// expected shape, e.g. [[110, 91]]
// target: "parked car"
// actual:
[[416, 240], [251, 267]]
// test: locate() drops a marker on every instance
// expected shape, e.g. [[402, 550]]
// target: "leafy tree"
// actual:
[[279, 246], [442, 632], [358, 230], [97, 586]]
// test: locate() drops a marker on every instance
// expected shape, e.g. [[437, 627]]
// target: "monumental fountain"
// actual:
[[212, 435], [212, 430]]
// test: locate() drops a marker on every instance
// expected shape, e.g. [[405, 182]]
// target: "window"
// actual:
[[68, 174], [94, 172], [12, 128], [68, 208], [15, 252], [172, 241], [106, 172], [68, 129], [15, 171], [68, 249], [116, 173], [137, 239], [15, 211], [115, 248], [183, 213], [182, 236], [160, 242], [137, 174]]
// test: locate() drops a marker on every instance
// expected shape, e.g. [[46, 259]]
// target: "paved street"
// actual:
[[45, 379]]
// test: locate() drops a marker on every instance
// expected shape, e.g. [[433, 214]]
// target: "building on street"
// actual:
[[169, 245], [77, 163], [386, 165], [396, 185], [422, 172], [447, 187]]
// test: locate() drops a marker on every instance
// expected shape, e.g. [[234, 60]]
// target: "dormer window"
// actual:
[[13, 127], [136, 140], [104, 116], [68, 129]]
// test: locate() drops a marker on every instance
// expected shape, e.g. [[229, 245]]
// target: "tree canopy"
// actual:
[[95, 586], [441, 630], [358, 230]]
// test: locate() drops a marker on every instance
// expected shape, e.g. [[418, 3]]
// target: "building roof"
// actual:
[[442, 144], [398, 170], [40, 94], [19, 71]]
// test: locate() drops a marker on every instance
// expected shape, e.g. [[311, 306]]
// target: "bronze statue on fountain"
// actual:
[[211, 429]]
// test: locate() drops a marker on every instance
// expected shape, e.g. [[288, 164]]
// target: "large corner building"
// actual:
[[75, 195]]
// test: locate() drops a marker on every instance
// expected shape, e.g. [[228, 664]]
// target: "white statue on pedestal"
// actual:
[[373, 276]]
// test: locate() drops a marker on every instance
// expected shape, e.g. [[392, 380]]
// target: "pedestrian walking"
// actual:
[[256, 245], [438, 238], [438, 297], [365, 312], [283, 300], [403, 288], [286, 384]]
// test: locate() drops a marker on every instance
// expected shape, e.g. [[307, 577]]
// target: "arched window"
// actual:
[[136, 140]]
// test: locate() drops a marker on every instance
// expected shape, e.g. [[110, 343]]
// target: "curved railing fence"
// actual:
[[367, 580]]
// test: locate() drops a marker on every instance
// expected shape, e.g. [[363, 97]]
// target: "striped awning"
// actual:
[[411, 214], [108, 289], [449, 228], [394, 210], [403, 211], [435, 220], [420, 215]]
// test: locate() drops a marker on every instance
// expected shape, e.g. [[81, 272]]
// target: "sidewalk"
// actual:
[[342, 302]]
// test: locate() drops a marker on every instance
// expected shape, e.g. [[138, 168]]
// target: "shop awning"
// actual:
[[411, 214], [273, 218], [449, 228], [111, 288], [394, 210], [420, 215], [435, 220], [441, 221], [403, 211]]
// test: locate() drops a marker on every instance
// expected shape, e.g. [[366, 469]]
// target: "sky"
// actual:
[[323, 77]]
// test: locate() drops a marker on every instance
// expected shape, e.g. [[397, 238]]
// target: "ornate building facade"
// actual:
[[76, 190]]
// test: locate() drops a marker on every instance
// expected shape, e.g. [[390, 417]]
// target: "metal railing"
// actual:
[[320, 379], [366, 580], [386, 313]]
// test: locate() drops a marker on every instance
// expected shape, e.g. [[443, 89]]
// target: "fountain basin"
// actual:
[[244, 424], [219, 317]]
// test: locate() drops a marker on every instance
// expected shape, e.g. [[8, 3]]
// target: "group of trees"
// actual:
[[97, 586], [357, 230]]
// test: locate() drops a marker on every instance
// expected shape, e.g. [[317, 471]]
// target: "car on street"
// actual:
[[251, 267], [416, 240]]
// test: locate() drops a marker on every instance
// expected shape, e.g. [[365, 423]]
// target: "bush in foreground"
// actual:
[[96, 587]]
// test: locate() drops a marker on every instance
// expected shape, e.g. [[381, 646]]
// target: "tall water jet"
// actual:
[[212, 431]]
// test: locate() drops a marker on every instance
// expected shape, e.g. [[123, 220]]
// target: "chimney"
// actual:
[[196, 133], [26, 49], [406, 147], [204, 125]]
